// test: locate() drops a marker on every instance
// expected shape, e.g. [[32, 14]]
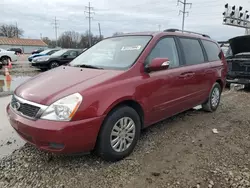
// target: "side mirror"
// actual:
[[65, 56], [221, 54], [158, 64]]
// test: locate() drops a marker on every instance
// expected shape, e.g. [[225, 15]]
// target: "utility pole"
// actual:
[[55, 23], [100, 33], [41, 36], [16, 31], [159, 27], [184, 12], [89, 11]]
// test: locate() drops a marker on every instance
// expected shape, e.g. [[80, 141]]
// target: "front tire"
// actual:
[[119, 134], [54, 64], [214, 99], [43, 69]]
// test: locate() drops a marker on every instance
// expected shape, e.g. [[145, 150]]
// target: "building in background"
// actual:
[[27, 45]]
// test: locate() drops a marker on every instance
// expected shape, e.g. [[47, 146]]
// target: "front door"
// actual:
[[165, 89], [69, 56]]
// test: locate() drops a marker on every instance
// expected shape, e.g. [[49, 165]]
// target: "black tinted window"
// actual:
[[73, 54], [51, 52], [212, 50], [192, 51], [165, 48]]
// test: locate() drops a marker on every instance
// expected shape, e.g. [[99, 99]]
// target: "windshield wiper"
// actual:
[[88, 66]]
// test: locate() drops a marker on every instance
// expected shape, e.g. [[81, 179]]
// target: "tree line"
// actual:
[[73, 39], [68, 39], [10, 31]]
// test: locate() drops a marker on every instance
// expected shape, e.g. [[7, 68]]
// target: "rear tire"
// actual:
[[5, 60], [213, 101], [119, 134]]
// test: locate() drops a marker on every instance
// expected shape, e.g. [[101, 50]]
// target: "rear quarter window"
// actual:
[[192, 51], [212, 50]]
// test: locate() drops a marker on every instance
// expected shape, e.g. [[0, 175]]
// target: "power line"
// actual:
[[89, 11], [55, 23], [184, 12]]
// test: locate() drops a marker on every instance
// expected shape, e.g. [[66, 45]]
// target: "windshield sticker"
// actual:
[[124, 48]]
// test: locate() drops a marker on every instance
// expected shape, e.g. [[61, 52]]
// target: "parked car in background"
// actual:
[[58, 58], [37, 51], [6, 56], [43, 53], [238, 59], [16, 50], [104, 103]]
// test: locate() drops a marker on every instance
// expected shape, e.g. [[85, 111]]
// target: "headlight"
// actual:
[[42, 59], [63, 109]]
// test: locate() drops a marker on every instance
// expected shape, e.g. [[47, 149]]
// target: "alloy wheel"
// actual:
[[215, 97], [122, 134]]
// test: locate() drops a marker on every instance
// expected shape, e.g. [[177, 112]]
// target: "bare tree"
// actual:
[[46, 40], [72, 39], [117, 33], [10, 31]]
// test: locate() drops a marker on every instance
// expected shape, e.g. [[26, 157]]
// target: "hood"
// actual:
[[52, 85], [240, 44], [36, 55], [7, 52], [41, 56]]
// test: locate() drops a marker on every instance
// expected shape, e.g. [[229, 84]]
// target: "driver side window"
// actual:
[[73, 54], [165, 48]]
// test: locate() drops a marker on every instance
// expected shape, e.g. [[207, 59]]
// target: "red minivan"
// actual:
[[102, 99]]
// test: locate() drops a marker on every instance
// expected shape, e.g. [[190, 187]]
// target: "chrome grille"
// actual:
[[24, 107]]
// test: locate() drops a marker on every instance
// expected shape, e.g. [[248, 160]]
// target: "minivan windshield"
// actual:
[[113, 53]]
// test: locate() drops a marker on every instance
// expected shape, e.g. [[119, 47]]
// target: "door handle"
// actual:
[[186, 74]]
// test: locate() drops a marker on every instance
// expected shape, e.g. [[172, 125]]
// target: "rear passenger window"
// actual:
[[212, 50], [192, 51]]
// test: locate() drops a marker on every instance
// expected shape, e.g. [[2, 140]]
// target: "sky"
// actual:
[[36, 17]]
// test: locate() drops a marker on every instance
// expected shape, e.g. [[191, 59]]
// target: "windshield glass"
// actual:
[[114, 53], [59, 53], [45, 52]]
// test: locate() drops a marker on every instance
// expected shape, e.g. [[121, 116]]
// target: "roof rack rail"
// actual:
[[191, 32]]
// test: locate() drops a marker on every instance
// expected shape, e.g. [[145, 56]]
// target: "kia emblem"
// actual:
[[16, 105]]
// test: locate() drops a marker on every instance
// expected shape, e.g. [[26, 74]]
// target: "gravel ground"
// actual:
[[182, 151]]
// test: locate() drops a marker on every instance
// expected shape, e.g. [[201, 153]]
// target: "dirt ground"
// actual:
[[181, 152]]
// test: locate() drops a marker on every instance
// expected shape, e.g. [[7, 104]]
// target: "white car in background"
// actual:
[[5, 56]]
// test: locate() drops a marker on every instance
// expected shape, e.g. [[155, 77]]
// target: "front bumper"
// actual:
[[39, 64], [57, 137], [244, 81]]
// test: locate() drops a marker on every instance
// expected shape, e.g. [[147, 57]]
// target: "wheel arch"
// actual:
[[127, 102], [5, 56], [219, 81]]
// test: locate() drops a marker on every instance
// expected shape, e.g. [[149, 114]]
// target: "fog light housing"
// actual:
[[53, 145]]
